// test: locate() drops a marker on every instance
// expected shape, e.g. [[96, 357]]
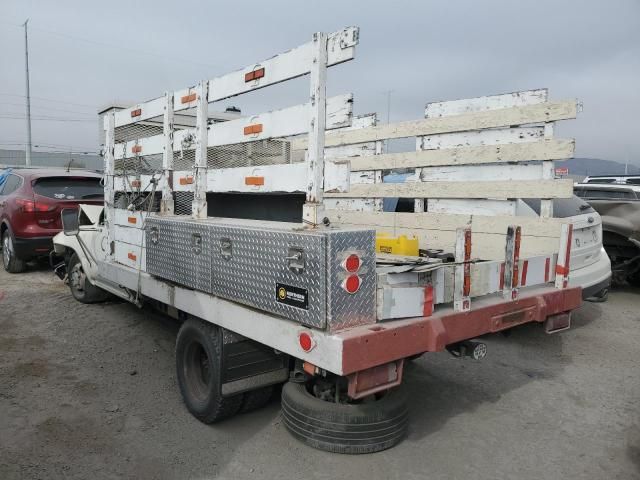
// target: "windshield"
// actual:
[[69, 188], [599, 194], [562, 207]]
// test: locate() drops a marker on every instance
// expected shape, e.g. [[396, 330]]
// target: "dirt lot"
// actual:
[[90, 392]]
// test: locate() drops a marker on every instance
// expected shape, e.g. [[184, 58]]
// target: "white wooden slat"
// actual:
[[122, 185], [490, 102], [490, 136], [183, 180], [535, 226], [530, 114], [351, 204], [486, 246], [474, 138], [132, 236], [277, 178], [151, 109], [362, 149], [316, 125], [149, 145], [199, 204], [548, 172], [540, 150], [539, 236], [278, 123], [511, 189], [133, 256], [285, 66], [127, 218], [279, 68], [477, 207], [281, 123], [355, 150], [343, 152], [473, 173]]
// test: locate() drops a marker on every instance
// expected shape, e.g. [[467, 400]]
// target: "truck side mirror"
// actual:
[[70, 221]]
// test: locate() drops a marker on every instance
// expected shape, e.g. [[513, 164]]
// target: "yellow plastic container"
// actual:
[[401, 245]]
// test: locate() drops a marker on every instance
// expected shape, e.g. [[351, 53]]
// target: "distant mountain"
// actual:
[[596, 166]]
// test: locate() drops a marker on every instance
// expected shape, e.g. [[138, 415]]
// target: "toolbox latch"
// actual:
[[196, 243], [296, 259], [226, 249]]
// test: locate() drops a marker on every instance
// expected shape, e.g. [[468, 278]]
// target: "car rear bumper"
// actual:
[[593, 278], [26, 248], [597, 289]]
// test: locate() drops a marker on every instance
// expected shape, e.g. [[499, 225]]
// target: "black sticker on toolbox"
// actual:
[[294, 296]]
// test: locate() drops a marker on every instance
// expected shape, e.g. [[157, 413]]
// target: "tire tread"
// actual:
[[348, 429]]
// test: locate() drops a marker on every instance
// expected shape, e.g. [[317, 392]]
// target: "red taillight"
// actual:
[[352, 263], [351, 284], [306, 341], [29, 206]]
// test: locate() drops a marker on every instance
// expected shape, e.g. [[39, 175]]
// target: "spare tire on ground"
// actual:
[[364, 427]]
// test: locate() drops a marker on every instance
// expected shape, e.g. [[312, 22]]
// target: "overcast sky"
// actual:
[[85, 54]]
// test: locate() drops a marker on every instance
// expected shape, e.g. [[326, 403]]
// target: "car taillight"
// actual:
[[29, 206], [351, 284]]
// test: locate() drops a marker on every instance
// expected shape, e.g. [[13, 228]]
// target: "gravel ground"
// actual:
[[90, 392]]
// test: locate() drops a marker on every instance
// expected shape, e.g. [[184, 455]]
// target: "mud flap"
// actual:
[[248, 365], [557, 323]]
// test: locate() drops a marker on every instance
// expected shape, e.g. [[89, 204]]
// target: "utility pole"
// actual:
[[26, 60], [626, 164], [388, 92]]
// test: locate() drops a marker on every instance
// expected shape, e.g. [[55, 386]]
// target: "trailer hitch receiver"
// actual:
[[475, 350]]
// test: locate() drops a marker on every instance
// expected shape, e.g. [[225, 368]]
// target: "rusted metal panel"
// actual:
[[366, 347]]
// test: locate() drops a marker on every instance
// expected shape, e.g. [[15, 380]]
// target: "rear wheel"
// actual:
[[376, 423], [199, 369], [81, 287], [10, 261]]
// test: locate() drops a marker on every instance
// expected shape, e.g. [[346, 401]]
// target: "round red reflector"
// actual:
[[352, 263], [351, 284], [306, 342]]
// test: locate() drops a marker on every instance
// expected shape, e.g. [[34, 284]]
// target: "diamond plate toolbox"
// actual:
[[297, 274], [180, 252]]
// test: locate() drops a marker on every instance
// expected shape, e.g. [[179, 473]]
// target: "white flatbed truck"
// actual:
[[259, 234]]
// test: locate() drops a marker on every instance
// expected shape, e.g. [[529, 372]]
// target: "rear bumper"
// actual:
[[26, 248], [366, 347], [594, 290], [593, 278]]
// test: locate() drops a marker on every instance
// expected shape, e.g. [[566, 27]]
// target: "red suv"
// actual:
[[30, 204]]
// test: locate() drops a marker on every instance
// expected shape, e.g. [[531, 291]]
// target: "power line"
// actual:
[[46, 119], [119, 47], [69, 148], [45, 108], [51, 100]]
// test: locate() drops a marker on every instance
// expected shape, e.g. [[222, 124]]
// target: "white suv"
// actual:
[[590, 267]]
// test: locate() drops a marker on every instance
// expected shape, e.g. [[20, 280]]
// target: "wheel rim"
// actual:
[[7, 250], [77, 279], [197, 370]]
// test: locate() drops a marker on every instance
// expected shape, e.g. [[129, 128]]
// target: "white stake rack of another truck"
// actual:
[[263, 227]]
